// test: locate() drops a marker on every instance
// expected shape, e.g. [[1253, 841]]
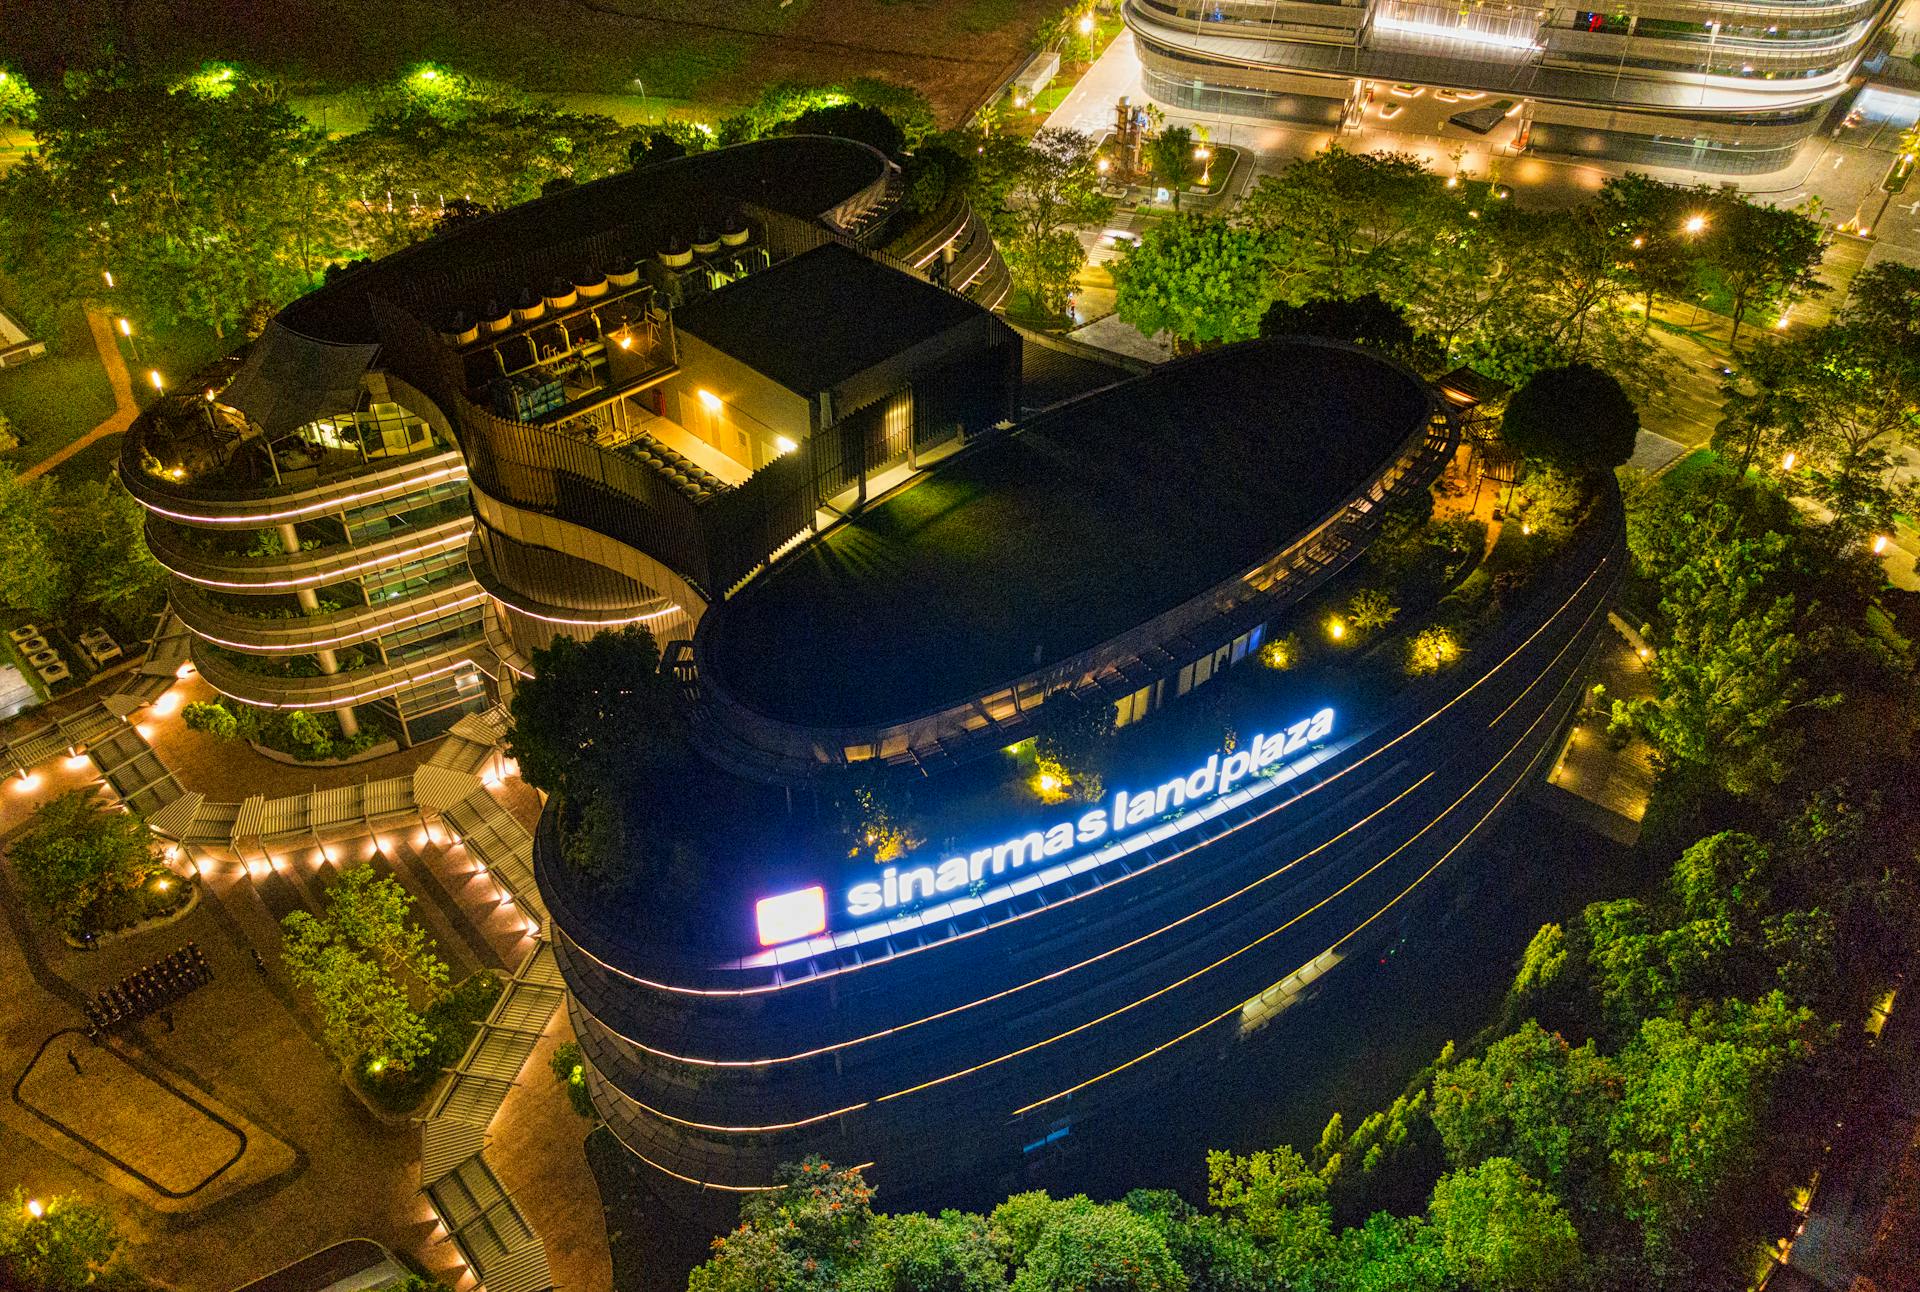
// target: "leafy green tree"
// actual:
[[1038, 195], [1691, 1124], [808, 1232], [1279, 1200], [856, 121], [1885, 298], [591, 711], [1532, 1098], [1371, 608], [1764, 256], [212, 717], [77, 850], [70, 1245], [372, 913], [1727, 667], [1196, 278], [1501, 1231], [1661, 256], [1360, 320], [1574, 417], [1387, 1254], [1070, 738], [918, 1253], [35, 575], [1216, 1256], [364, 1012], [17, 99], [101, 530], [1358, 217], [358, 957], [569, 1067], [1098, 1248], [1169, 156]]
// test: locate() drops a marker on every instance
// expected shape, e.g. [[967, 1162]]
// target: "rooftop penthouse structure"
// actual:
[[435, 462], [1718, 85]]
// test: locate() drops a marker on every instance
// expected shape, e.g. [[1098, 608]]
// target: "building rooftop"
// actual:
[[812, 322], [1091, 519], [804, 176]]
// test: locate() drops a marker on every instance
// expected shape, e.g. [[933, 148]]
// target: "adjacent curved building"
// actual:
[[437, 461], [1719, 85], [946, 1004]]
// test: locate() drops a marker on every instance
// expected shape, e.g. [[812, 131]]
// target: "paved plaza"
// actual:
[[151, 1122]]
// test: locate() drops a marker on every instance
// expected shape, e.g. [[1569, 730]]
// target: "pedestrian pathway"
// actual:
[[124, 409]]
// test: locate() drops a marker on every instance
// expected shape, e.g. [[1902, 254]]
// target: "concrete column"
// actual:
[[290, 539], [329, 662]]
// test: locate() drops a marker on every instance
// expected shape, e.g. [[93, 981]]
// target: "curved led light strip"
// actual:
[[384, 626], [311, 509], [385, 558], [385, 688], [672, 608], [1419, 880], [825, 975]]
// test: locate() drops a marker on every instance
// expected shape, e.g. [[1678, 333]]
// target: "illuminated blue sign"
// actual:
[[1129, 811]]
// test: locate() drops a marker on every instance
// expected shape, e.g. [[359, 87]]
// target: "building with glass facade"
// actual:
[[1731, 87]]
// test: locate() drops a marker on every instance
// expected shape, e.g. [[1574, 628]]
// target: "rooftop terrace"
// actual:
[[1088, 521]]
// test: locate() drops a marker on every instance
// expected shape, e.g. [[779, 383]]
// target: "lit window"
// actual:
[[791, 915]]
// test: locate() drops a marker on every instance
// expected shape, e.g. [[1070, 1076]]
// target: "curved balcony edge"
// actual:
[[334, 690], [302, 634], [290, 571]]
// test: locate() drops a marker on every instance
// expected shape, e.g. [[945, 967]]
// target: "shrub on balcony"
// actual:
[[310, 737]]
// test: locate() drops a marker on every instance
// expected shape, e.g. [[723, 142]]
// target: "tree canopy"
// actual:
[[1196, 278], [1575, 417], [77, 850]]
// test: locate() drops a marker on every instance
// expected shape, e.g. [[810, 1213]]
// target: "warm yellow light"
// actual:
[[1781, 322], [126, 328], [784, 444], [1695, 223], [34, 1208], [1880, 542], [1639, 242], [27, 781], [377, 1066], [76, 762], [1102, 164], [1453, 181], [1336, 629], [161, 884], [1201, 154], [626, 343], [1526, 527], [711, 400], [1049, 782], [1086, 24], [1786, 463], [159, 382], [108, 275]]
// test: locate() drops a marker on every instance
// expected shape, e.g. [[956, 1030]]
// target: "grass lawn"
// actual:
[[57, 398], [723, 52], [1045, 543], [95, 462]]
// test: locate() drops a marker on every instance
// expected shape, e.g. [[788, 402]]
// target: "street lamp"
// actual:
[[1086, 24], [1694, 224], [126, 329], [1880, 542], [34, 1208], [159, 382], [1204, 155], [1786, 463]]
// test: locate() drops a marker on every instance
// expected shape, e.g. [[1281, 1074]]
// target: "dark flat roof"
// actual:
[[1088, 521], [812, 322], [798, 175]]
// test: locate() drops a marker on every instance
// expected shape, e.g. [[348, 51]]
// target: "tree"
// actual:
[[1764, 255], [1099, 1249], [1069, 742], [17, 99], [917, 1253], [66, 1245], [1170, 158], [1661, 257], [1387, 1254], [1727, 666], [77, 851], [855, 121], [1500, 1231], [101, 531], [1279, 1200], [357, 957], [1196, 278], [1043, 191], [34, 573], [658, 144], [1532, 1098], [593, 713], [1214, 1254], [212, 717], [1359, 320], [1358, 216], [1574, 417], [1885, 297], [808, 1231]]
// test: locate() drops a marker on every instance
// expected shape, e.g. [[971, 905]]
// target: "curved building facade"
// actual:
[[1701, 84], [1025, 962], [438, 461]]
